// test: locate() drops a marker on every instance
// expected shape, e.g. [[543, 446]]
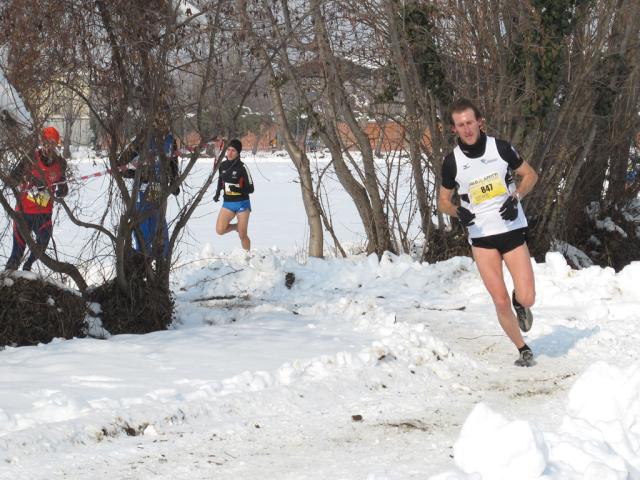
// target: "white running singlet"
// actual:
[[486, 182]]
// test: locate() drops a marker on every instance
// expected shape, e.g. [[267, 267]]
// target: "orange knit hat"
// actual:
[[51, 133]]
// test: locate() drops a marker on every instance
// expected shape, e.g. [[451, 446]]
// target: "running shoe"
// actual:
[[525, 359], [525, 317]]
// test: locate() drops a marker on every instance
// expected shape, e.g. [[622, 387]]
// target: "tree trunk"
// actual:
[[297, 154], [335, 86], [413, 125]]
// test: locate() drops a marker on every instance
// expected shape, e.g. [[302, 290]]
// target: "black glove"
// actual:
[[509, 209], [465, 217], [217, 197], [62, 190], [233, 188]]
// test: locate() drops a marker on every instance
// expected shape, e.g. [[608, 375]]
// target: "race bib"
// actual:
[[486, 188], [227, 190], [40, 198]]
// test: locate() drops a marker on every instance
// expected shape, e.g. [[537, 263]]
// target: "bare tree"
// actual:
[[268, 55], [142, 72], [559, 79]]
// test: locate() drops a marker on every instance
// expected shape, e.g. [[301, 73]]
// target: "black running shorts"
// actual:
[[503, 242]]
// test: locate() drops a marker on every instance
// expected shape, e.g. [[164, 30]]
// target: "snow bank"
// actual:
[[599, 438], [414, 348], [577, 256], [603, 422], [561, 285], [496, 448], [628, 281]]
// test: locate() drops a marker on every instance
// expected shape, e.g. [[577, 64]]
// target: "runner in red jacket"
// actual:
[[38, 181]]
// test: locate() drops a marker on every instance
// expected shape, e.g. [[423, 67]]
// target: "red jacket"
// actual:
[[40, 185]]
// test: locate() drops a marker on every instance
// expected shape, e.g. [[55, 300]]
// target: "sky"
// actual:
[[365, 368]]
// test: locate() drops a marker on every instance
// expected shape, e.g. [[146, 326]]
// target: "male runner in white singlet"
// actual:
[[481, 170]]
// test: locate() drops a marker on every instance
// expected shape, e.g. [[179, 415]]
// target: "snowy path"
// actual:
[[272, 385]]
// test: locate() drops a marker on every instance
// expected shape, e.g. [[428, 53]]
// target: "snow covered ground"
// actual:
[[363, 369]]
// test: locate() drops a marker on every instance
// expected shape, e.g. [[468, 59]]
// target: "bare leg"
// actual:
[[518, 262], [242, 227], [223, 224], [489, 262]]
